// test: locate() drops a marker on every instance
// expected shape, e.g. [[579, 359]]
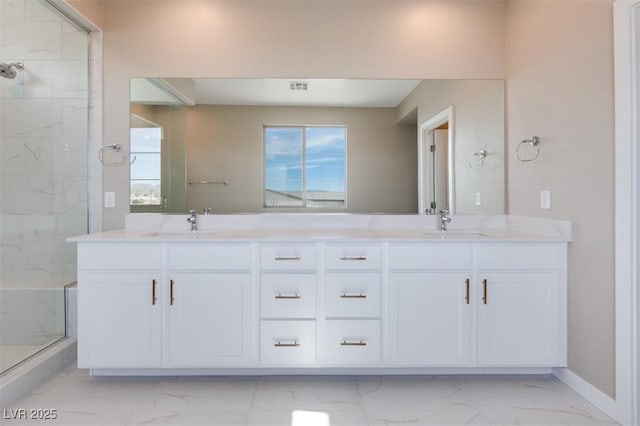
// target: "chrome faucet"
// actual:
[[444, 219], [193, 220]]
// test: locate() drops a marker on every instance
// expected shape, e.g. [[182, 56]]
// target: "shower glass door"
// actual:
[[43, 172]]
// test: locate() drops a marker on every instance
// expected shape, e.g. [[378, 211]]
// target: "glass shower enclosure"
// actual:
[[44, 99]]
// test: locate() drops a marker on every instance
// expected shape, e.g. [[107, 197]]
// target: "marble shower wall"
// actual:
[[43, 164]]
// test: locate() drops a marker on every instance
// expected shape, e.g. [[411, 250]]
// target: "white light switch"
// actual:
[[478, 198], [109, 200], [545, 200]]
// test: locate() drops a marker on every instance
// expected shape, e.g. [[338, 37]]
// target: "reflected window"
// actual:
[[305, 166], [146, 144]]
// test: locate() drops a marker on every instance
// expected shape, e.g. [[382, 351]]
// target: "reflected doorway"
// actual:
[[435, 164]]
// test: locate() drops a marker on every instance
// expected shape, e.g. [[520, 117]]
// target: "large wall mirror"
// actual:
[[317, 145]]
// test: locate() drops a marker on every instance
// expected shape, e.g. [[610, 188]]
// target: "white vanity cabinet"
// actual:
[[352, 304], [288, 304], [119, 306], [482, 304], [521, 305], [208, 305], [429, 304]]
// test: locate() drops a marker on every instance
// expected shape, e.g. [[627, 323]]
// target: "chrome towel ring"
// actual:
[[116, 147], [534, 151], [477, 160]]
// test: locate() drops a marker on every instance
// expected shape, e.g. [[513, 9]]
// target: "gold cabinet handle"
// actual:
[[358, 343], [353, 296], [484, 291], [153, 292], [287, 258], [171, 298], [353, 258], [279, 344], [466, 298]]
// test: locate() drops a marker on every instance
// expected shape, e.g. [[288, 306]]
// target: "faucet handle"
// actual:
[[444, 212]]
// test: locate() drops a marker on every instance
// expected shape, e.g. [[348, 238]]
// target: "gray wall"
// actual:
[[226, 143], [560, 87]]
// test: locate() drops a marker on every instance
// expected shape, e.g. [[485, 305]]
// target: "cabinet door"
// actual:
[[429, 316], [119, 320], [209, 319], [519, 319]]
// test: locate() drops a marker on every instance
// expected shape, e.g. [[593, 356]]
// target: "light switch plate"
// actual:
[[109, 200], [545, 200], [478, 198]]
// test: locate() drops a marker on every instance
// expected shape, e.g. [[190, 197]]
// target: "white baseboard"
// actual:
[[589, 392]]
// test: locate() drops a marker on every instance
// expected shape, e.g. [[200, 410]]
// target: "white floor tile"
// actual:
[[270, 401], [313, 393]]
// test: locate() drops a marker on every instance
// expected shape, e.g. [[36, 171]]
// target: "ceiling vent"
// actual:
[[298, 86]]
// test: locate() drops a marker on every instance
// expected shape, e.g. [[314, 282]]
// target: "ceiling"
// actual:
[[362, 93]]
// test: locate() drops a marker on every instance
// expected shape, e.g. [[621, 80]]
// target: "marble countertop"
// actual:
[[312, 235], [159, 228]]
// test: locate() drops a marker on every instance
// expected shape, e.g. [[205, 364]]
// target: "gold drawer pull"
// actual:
[[358, 343], [287, 258], [287, 345], [353, 296], [287, 296], [154, 299], [353, 258]]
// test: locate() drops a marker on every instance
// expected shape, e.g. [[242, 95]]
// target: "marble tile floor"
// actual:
[[79, 399]]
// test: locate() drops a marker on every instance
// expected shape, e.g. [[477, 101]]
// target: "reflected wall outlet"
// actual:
[[545, 200], [109, 200], [478, 198]]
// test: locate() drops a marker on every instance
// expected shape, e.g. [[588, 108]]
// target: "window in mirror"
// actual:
[[146, 143], [305, 166]]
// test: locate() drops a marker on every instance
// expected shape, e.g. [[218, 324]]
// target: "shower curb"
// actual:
[[25, 378]]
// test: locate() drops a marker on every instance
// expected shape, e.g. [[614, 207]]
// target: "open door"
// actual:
[[435, 164]]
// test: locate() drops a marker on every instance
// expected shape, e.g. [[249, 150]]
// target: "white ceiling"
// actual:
[[320, 92]]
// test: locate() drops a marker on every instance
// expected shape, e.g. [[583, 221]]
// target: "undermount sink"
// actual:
[[453, 235], [187, 235]]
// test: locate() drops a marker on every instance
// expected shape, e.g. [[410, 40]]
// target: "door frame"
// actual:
[[627, 208], [425, 139]]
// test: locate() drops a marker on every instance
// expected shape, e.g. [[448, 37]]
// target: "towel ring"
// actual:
[[533, 141], [116, 147], [477, 160]]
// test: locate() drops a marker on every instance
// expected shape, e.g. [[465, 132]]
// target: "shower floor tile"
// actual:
[[10, 355]]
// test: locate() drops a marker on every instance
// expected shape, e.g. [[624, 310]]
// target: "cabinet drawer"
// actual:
[[514, 257], [352, 256], [288, 342], [288, 256], [288, 296], [209, 256], [430, 256], [352, 342], [120, 256], [352, 295]]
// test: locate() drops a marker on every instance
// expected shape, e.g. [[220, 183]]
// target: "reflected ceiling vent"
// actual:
[[297, 86]]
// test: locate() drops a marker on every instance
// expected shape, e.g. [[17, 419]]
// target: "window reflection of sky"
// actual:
[[146, 143], [325, 159]]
